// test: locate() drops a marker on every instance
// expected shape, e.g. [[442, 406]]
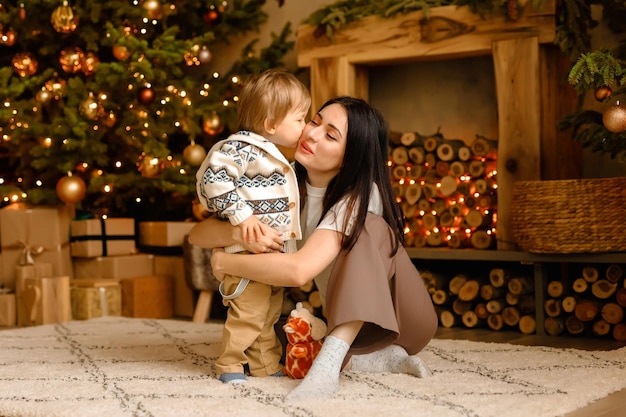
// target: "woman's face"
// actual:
[[323, 144]]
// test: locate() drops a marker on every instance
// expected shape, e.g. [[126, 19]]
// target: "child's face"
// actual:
[[288, 131]]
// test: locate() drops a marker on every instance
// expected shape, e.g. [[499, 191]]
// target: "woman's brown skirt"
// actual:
[[386, 292]]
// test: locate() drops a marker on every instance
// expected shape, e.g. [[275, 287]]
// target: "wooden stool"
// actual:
[[203, 307]]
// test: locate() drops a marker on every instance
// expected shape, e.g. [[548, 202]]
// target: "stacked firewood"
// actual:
[[592, 304], [446, 188], [498, 301]]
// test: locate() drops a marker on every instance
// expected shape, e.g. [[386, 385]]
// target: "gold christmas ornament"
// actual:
[[56, 87], [89, 63], [120, 52], [72, 59], [154, 9], [194, 154], [204, 55], [25, 64], [71, 189], [89, 108], [614, 118], [43, 96], [109, 119], [150, 167], [63, 19], [197, 55], [213, 125]]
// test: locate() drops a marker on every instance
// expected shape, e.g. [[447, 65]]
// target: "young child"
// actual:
[[247, 180]]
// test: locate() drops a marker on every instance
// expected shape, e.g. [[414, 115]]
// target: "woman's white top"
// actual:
[[334, 220]]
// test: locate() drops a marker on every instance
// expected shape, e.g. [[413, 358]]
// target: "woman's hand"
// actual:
[[215, 263]]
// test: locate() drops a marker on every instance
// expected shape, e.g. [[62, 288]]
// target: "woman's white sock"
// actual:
[[322, 380], [392, 358]]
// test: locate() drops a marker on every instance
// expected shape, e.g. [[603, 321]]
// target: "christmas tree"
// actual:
[[602, 71], [111, 105]]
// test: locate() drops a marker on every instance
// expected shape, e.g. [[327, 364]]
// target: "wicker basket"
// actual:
[[570, 216]]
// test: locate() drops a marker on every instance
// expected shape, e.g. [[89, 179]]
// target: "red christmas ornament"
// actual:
[[602, 93], [146, 96], [213, 15], [120, 52]]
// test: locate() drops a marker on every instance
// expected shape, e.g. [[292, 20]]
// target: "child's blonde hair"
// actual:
[[270, 96]]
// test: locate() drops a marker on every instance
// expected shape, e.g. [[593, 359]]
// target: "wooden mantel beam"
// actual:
[[450, 31]]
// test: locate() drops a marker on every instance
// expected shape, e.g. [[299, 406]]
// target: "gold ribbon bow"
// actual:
[[29, 252]]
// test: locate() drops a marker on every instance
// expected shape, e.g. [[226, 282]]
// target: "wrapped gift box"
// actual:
[[183, 295], [23, 272], [164, 234], [8, 309], [148, 297], [102, 237], [117, 266], [43, 300], [30, 234], [95, 298]]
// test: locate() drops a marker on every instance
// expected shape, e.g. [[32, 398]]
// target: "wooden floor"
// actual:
[[613, 405]]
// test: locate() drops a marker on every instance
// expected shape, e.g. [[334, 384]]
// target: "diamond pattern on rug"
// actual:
[[117, 366]]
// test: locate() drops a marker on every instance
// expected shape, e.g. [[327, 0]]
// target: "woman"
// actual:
[[378, 310]]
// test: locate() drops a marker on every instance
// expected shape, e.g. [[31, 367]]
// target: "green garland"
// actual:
[[573, 21], [332, 17]]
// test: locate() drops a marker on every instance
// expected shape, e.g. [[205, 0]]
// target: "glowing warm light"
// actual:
[[107, 188]]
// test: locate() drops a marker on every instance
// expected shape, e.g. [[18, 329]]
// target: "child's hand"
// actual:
[[258, 237], [252, 229]]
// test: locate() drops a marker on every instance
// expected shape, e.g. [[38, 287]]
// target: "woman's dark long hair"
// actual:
[[364, 164]]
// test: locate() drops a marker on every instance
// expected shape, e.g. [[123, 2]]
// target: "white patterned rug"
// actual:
[[136, 367]]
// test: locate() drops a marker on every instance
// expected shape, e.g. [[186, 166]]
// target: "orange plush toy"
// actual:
[[304, 336]]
